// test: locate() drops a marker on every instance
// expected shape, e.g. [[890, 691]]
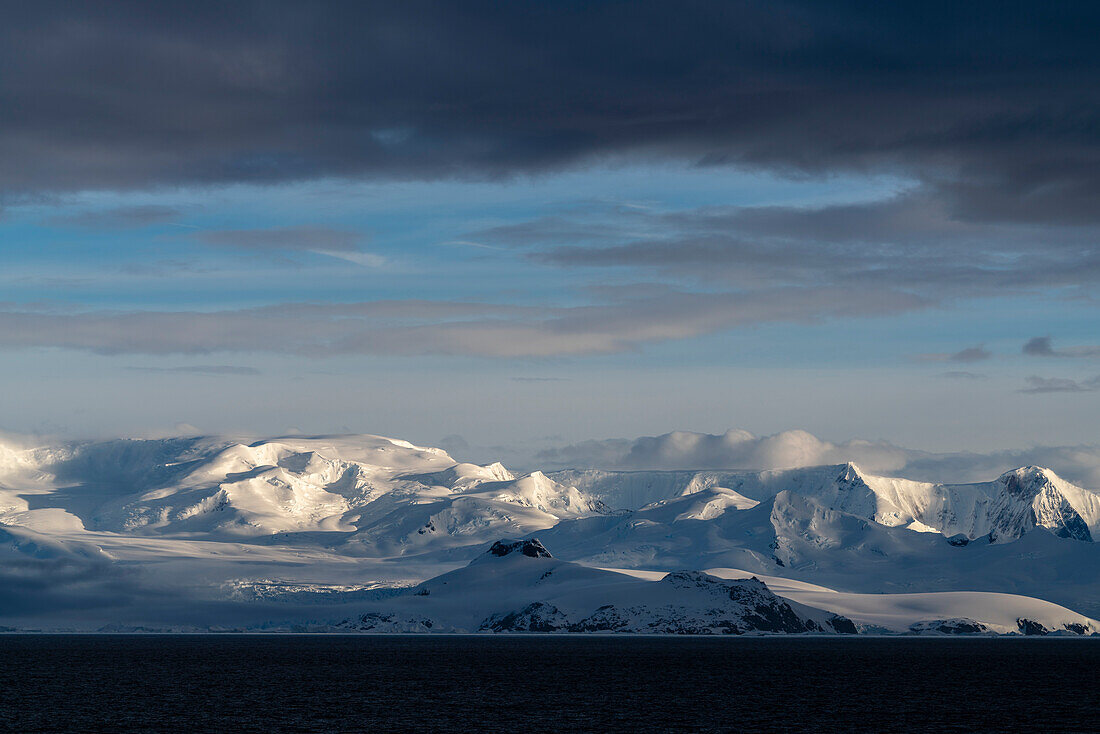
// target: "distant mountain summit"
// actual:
[[999, 511]]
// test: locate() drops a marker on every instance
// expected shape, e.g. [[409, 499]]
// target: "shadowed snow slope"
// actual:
[[520, 587], [326, 513]]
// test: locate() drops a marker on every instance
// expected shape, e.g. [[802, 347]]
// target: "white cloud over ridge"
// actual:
[[741, 450]]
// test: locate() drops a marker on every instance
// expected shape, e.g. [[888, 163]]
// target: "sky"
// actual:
[[510, 229]]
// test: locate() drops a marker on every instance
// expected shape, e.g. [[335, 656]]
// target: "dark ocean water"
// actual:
[[341, 683]]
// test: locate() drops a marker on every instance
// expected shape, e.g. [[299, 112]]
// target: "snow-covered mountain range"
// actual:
[[209, 532]]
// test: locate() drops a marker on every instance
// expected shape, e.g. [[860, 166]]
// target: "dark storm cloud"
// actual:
[[31, 586], [994, 106]]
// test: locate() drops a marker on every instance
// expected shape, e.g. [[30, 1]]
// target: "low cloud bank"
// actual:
[[741, 450]]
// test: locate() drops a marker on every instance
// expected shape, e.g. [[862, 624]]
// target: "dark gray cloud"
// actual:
[[29, 586], [911, 242], [994, 107], [1036, 385], [970, 354], [1039, 346], [43, 576], [1043, 346], [201, 369], [128, 217]]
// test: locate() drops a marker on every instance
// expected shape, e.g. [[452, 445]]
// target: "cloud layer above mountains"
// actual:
[[741, 450]]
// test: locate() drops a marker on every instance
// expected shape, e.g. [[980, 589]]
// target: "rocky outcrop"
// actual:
[[531, 548], [955, 626]]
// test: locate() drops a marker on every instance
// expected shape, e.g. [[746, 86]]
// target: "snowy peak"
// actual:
[[1027, 481], [497, 471], [850, 474], [541, 493], [463, 477], [1063, 508], [706, 504], [1000, 511]]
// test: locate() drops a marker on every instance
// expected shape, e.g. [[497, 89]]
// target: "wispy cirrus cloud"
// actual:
[[1037, 385], [625, 321], [201, 369], [963, 375], [338, 243]]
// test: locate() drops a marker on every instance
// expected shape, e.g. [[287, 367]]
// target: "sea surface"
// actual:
[[327, 683]]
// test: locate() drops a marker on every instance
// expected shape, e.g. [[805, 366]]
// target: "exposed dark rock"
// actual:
[[537, 617], [531, 548], [1073, 526], [843, 625], [371, 620], [604, 619], [1031, 627], [381, 622], [957, 626]]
